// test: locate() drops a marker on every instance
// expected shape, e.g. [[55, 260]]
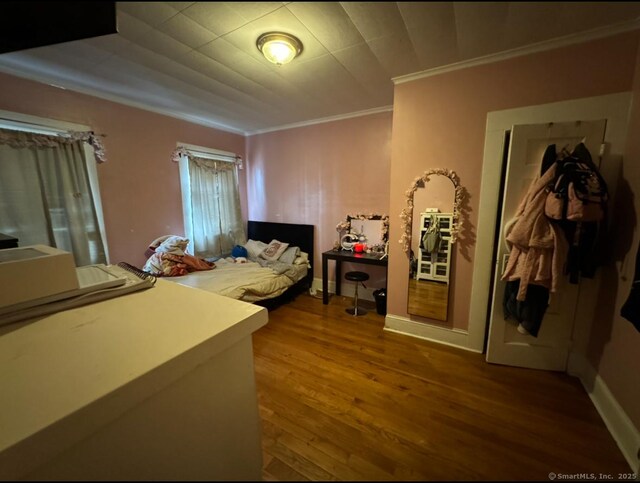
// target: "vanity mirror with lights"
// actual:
[[429, 232], [372, 230]]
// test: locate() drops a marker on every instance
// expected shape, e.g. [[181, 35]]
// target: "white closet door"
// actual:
[[506, 345]]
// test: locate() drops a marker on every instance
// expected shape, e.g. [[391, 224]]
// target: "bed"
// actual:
[[252, 282]]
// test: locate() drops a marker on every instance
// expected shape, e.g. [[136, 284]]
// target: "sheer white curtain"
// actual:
[[215, 223], [46, 198]]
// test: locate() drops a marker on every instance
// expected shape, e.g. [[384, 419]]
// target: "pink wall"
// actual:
[[140, 187], [319, 174], [614, 342], [440, 121]]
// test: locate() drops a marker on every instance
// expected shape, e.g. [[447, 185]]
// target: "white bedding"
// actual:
[[249, 281]]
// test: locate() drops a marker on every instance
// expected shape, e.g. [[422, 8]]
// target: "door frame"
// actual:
[[613, 107]]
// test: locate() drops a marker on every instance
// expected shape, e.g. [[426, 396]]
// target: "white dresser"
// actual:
[[153, 385], [435, 265]]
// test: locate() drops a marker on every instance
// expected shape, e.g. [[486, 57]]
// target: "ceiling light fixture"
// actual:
[[278, 47]]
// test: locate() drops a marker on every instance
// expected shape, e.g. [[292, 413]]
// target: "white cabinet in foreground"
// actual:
[[153, 385]]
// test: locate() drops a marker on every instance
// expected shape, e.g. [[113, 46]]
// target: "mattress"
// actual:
[[248, 281]]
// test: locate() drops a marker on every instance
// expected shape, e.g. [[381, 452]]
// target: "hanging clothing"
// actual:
[[631, 308], [537, 253], [530, 312], [538, 246], [584, 254], [431, 237], [585, 251]]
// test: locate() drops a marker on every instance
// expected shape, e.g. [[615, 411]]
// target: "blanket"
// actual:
[[278, 267], [249, 281], [162, 264], [168, 258]]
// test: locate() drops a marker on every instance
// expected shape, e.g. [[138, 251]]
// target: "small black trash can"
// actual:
[[381, 300]]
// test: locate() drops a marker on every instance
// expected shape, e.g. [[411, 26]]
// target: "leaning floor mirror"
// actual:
[[429, 232]]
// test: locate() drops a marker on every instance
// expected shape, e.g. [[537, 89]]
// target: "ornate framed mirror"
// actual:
[[430, 227], [374, 227]]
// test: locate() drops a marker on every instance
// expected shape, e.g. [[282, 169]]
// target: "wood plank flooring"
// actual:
[[428, 298], [340, 399]]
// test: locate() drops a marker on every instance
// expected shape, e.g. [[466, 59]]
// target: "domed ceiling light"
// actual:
[[278, 47]]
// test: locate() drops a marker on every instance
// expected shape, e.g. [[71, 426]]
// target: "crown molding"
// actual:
[[119, 100], [311, 122], [183, 117], [520, 51]]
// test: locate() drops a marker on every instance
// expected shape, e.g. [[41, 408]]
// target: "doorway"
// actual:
[[613, 108]]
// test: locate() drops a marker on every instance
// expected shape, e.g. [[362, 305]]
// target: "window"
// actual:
[[210, 201], [49, 190]]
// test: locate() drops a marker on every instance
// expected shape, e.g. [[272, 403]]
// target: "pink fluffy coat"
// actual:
[[538, 246]]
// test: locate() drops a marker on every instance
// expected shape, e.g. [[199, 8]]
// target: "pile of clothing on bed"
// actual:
[[170, 259], [253, 272]]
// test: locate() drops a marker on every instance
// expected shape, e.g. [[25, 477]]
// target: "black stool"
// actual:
[[358, 277]]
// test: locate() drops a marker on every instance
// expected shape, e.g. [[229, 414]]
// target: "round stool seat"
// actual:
[[356, 276]]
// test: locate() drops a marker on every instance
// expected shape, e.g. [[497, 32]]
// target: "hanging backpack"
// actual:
[[578, 193], [431, 237]]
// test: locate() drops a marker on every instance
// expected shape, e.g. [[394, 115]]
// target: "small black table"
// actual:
[[345, 256]]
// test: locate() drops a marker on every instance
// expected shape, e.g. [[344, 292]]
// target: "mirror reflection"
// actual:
[[431, 248], [369, 232], [364, 233]]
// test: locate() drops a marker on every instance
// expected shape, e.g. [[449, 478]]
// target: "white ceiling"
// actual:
[[198, 60]]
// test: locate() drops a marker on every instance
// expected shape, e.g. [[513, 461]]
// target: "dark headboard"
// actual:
[[295, 235]]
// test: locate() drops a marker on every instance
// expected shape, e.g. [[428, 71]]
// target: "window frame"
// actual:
[[42, 125], [185, 181]]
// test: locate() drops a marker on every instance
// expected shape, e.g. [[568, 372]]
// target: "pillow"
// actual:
[[156, 243], [273, 251], [153, 246], [301, 259], [176, 245], [254, 248], [289, 255]]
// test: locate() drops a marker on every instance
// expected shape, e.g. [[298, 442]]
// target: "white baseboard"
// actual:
[[451, 337], [347, 288], [618, 423], [615, 418], [393, 323]]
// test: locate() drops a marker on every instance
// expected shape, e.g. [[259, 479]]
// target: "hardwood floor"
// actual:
[[340, 399], [428, 298]]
